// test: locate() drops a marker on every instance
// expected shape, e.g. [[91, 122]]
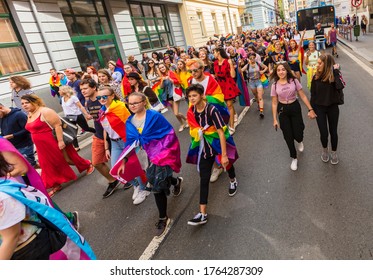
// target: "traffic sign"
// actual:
[[356, 3]]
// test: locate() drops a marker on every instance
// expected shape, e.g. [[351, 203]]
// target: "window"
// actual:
[[235, 20], [201, 23], [225, 23], [247, 19], [151, 25], [216, 26], [90, 32], [13, 57]]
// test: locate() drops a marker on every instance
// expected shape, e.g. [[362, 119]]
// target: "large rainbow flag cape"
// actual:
[[210, 135], [214, 95], [76, 247], [264, 80], [157, 138], [117, 115]]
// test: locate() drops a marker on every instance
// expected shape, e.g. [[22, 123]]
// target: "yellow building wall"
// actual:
[[189, 15]]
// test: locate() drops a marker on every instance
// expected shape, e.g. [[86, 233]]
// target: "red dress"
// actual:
[[225, 80], [54, 168]]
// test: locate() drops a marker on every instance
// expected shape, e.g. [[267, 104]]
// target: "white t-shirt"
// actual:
[[69, 107], [204, 83], [12, 212]]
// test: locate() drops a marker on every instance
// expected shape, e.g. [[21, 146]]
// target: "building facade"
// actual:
[[38, 35], [263, 12], [202, 19]]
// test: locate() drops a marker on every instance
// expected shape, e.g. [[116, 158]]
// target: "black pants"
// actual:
[[291, 124], [82, 122], [205, 166], [327, 121], [161, 199]]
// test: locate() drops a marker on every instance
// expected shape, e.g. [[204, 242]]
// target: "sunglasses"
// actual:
[[195, 70], [104, 97]]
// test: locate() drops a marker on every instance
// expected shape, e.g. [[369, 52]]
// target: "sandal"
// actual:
[[54, 190]]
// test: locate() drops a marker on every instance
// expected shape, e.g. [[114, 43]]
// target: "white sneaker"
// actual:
[[164, 110], [300, 147], [141, 196], [215, 174], [181, 128], [294, 164], [136, 190]]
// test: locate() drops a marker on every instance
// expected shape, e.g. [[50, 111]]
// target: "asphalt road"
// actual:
[[320, 211]]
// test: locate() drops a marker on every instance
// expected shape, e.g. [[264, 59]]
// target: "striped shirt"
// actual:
[[209, 116]]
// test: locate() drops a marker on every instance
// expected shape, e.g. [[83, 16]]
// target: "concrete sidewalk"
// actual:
[[363, 47]]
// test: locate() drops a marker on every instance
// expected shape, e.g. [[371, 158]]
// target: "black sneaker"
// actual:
[[261, 115], [75, 220], [232, 188], [178, 188], [198, 219], [161, 227], [111, 188]]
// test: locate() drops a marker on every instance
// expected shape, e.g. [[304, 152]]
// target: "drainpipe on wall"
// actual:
[[43, 34]]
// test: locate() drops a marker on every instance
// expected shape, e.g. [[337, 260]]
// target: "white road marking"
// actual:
[[357, 60], [154, 244]]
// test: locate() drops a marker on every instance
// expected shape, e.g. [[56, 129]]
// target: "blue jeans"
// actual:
[[167, 93], [320, 45], [28, 153]]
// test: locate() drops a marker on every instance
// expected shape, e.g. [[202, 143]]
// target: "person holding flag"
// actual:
[[148, 131], [295, 56]]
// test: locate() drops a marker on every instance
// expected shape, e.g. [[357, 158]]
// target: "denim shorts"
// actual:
[[255, 84]]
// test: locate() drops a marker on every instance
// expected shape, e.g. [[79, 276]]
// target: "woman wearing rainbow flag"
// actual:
[[149, 131], [210, 142]]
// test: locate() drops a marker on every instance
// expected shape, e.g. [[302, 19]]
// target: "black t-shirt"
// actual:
[[209, 116], [93, 108]]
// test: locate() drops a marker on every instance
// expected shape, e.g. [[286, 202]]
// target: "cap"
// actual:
[[70, 71], [134, 75]]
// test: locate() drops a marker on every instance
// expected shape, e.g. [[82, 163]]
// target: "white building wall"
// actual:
[[260, 11], [192, 7], [59, 42]]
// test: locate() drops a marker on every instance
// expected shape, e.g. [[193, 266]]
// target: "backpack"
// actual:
[[339, 85]]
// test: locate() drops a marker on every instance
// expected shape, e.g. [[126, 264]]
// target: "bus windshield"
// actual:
[[308, 18]]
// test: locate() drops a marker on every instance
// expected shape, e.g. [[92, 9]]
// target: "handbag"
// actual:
[[69, 130], [72, 118]]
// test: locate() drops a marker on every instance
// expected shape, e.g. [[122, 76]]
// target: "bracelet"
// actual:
[[309, 110]]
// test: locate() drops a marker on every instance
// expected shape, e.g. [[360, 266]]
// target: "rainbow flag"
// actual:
[[125, 87], [159, 92], [157, 138], [229, 36], [264, 81], [54, 84], [117, 114], [215, 96], [211, 136]]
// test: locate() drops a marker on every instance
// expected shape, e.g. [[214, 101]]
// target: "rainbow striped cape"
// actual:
[[264, 80], [117, 115], [76, 247], [209, 134], [159, 91], [125, 87], [157, 138], [215, 96]]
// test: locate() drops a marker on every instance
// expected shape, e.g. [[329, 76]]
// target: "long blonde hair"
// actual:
[[326, 75]]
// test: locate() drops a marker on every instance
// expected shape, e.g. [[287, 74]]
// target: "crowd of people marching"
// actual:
[[133, 144]]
